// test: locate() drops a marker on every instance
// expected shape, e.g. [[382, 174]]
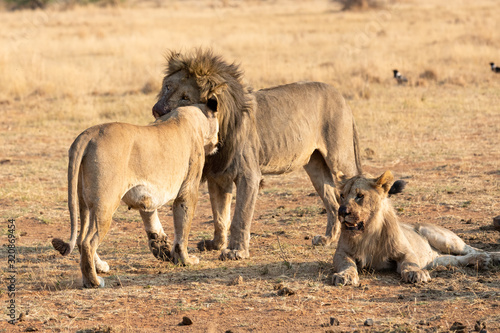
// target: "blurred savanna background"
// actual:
[[68, 65]]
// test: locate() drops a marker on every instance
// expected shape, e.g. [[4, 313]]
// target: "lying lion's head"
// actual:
[[361, 199]]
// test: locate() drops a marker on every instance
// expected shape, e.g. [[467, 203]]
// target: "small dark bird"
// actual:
[[400, 78], [494, 68]]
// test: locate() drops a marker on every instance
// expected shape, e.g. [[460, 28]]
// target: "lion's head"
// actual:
[[198, 76], [361, 199]]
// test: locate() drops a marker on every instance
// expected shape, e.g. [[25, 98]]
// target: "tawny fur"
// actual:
[[145, 166], [270, 131], [373, 237]]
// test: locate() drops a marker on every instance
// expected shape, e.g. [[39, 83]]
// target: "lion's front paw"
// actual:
[[227, 254], [415, 276], [321, 240], [160, 247], [345, 278], [209, 245]]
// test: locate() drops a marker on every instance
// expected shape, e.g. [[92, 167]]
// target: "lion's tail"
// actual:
[[356, 148], [76, 154]]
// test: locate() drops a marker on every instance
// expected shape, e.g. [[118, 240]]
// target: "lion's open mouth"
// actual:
[[360, 226]]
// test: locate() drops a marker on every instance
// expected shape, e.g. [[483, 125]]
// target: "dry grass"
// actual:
[[63, 71]]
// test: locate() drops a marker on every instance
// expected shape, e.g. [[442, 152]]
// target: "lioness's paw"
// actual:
[[209, 245], [160, 247], [101, 266], [100, 284], [416, 276], [321, 240], [345, 278], [227, 254]]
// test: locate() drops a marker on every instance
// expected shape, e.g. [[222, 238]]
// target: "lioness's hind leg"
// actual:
[[157, 239], [100, 222], [323, 182]]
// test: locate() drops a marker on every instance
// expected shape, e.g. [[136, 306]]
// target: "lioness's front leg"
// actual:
[[183, 209], [157, 239], [221, 192], [247, 189]]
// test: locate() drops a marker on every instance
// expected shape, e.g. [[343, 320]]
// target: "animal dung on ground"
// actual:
[[496, 223], [186, 321]]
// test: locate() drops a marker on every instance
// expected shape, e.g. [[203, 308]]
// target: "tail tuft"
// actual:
[[61, 246]]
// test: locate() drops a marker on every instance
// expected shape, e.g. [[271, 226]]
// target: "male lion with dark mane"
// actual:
[[270, 131], [145, 166], [372, 236]]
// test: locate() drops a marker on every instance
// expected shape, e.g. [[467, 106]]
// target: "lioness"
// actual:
[[270, 131], [372, 236], [145, 166]]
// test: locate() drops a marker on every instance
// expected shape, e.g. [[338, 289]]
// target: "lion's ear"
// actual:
[[385, 181], [217, 90]]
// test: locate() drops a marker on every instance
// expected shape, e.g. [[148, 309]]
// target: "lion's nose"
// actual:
[[343, 211], [158, 111]]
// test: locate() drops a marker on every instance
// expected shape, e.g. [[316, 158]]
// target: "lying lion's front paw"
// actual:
[[321, 240], [415, 276], [345, 278], [160, 247], [227, 254]]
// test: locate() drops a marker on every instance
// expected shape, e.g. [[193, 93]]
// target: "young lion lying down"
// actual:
[[145, 166], [371, 236]]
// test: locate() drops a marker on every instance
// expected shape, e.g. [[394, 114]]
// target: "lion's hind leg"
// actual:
[[322, 179], [453, 250]]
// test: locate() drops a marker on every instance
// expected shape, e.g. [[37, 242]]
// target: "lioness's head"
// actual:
[[361, 199]]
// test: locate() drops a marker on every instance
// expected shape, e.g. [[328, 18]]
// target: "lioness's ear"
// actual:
[[385, 181], [212, 104]]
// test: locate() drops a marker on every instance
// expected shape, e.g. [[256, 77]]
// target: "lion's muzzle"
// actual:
[[159, 111]]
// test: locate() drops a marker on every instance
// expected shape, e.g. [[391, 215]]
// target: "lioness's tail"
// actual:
[[76, 153], [356, 148]]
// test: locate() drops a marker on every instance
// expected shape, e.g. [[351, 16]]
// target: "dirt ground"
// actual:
[[441, 135]]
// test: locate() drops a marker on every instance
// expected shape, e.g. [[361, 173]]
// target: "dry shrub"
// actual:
[[429, 74], [359, 4]]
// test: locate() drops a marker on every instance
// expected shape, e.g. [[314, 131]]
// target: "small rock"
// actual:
[[334, 321], [458, 327], [479, 326], [368, 322], [236, 281], [285, 291], [186, 321]]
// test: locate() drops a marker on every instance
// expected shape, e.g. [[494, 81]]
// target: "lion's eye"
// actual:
[[359, 196], [185, 98]]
